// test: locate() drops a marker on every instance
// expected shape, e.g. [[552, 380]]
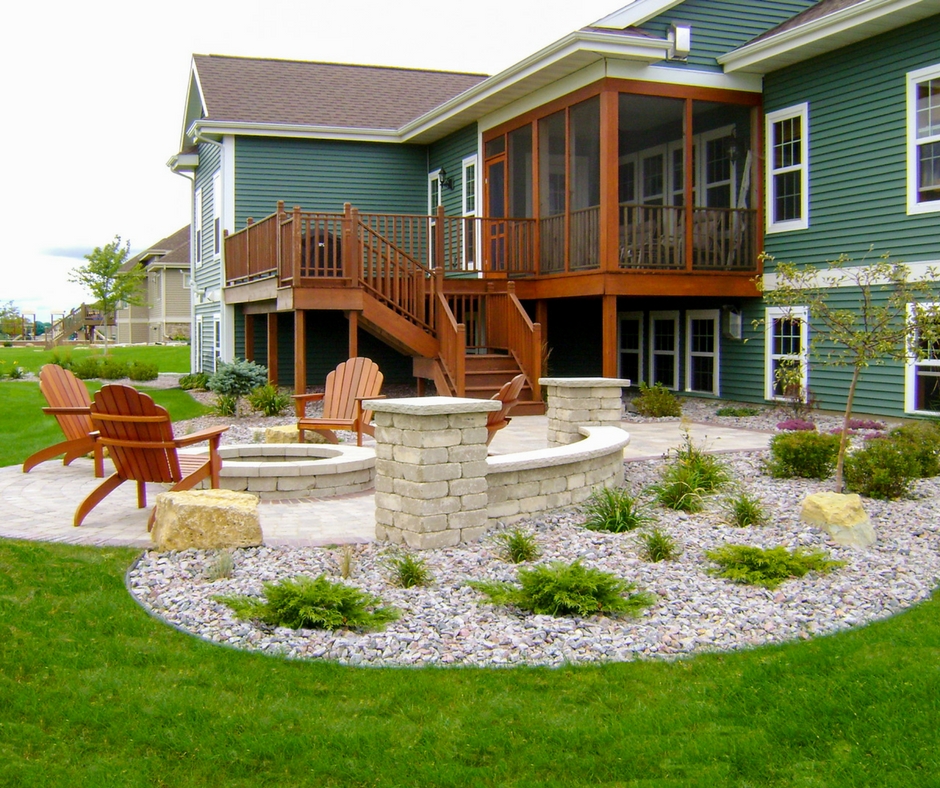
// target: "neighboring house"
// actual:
[[165, 314], [603, 199]]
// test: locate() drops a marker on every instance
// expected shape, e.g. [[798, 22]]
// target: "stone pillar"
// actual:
[[581, 402], [430, 470]]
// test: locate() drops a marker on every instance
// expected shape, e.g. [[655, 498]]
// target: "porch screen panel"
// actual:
[[650, 159], [585, 186], [520, 173], [552, 191]]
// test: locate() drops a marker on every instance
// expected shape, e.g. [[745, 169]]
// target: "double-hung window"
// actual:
[[923, 140], [664, 349], [197, 223], [702, 351], [923, 368], [788, 169], [787, 345]]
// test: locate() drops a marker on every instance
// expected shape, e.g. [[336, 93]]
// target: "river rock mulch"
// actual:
[[449, 623]]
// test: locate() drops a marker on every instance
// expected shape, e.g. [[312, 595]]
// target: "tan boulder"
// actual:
[[287, 433], [206, 519], [840, 516]]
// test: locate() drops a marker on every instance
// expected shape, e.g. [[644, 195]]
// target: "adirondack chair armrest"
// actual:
[[211, 434], [67, 411], [301, 400]]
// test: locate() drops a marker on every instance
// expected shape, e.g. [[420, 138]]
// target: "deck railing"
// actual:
[[452, 340], [252, 252]]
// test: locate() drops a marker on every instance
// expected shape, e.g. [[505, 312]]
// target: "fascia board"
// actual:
[[194, 83], [221, 128], [648, 50], [183, 161], [636, 13], [759, 57]]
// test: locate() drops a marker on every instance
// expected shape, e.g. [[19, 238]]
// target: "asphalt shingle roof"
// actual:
[[291, 92], [818, 11]]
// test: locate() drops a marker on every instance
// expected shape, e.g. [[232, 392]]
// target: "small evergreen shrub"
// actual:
[[656, 401], [195, 380], [922, 441], [884, 469], [269, 400], [745, 509], [737, 412], [408, 571], [768, 568], [659, 546], [560, 589], [615, 510], [225, 405], [312, 604], [112, 369], [806, 455], [238, 378], [796, 425], [141, 370], [86, 368], [518, 546]]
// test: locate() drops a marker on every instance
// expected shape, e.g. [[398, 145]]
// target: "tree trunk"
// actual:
[[844, 439]]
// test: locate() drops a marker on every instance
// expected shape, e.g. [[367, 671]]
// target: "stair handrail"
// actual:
[[452, 338], [525, 341]]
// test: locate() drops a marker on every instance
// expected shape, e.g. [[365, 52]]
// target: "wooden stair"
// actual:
[[487, 372]]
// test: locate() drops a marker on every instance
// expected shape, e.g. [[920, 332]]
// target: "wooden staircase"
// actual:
[[485, 374]]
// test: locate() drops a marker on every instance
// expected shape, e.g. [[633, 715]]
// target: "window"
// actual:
[[216, 343], [631, 346], [199, 363], [786, 364], [197, 211], [923, 140], [187, 279], [701, 363], [217, 213], [923, 370], [469, 205], [664, 349], [788, 169]]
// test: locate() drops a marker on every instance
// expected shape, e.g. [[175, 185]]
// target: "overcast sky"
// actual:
[[94, 91]]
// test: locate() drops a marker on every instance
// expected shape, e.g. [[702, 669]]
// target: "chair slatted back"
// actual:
[[63, 390], [138, 434], [357, 377]]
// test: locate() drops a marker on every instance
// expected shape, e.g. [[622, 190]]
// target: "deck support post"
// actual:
[[609, 336], [300, 351], [249, 337], [353, 318], [272, 348]]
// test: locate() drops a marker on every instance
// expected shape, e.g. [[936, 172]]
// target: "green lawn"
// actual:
[[168, 358], [96, 693], [27, 429]]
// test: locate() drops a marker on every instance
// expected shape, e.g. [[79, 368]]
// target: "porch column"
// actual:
[[609, 335], [272, 348], [353, 318], [609, 251], [300, 351]]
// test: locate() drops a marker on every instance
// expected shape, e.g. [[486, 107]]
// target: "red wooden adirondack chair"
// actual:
[[508, 395], [347, 386], [140, 441], [70, 404]]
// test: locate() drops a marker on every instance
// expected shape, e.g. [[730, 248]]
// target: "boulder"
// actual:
[[840, 516], [287, 433], [206, 519]]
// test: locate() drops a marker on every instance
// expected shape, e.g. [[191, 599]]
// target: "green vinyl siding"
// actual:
[[321, 175], [857, 149], [718, 26], [449, 153], [742, 360], [206, 275], [239, 332]]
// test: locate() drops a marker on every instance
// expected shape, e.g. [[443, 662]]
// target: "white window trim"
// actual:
[[638, 316], [801, 111], [702, 314], [911, 365], [216, 342], [466, 164], [913, 79], [674, 317], [197, 227], [198, 345], [434, 183], [217, 215], [800, 313]]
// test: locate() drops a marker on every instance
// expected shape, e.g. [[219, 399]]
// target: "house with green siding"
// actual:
[[598, 208]]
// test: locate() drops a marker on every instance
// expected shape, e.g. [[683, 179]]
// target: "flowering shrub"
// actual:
[[796, 425]]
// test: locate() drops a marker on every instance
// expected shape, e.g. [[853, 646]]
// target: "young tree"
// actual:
[[108, 285], [889, 321], [11, 320]]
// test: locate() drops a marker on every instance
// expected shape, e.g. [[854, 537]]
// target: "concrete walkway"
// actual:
[[40, 505]]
